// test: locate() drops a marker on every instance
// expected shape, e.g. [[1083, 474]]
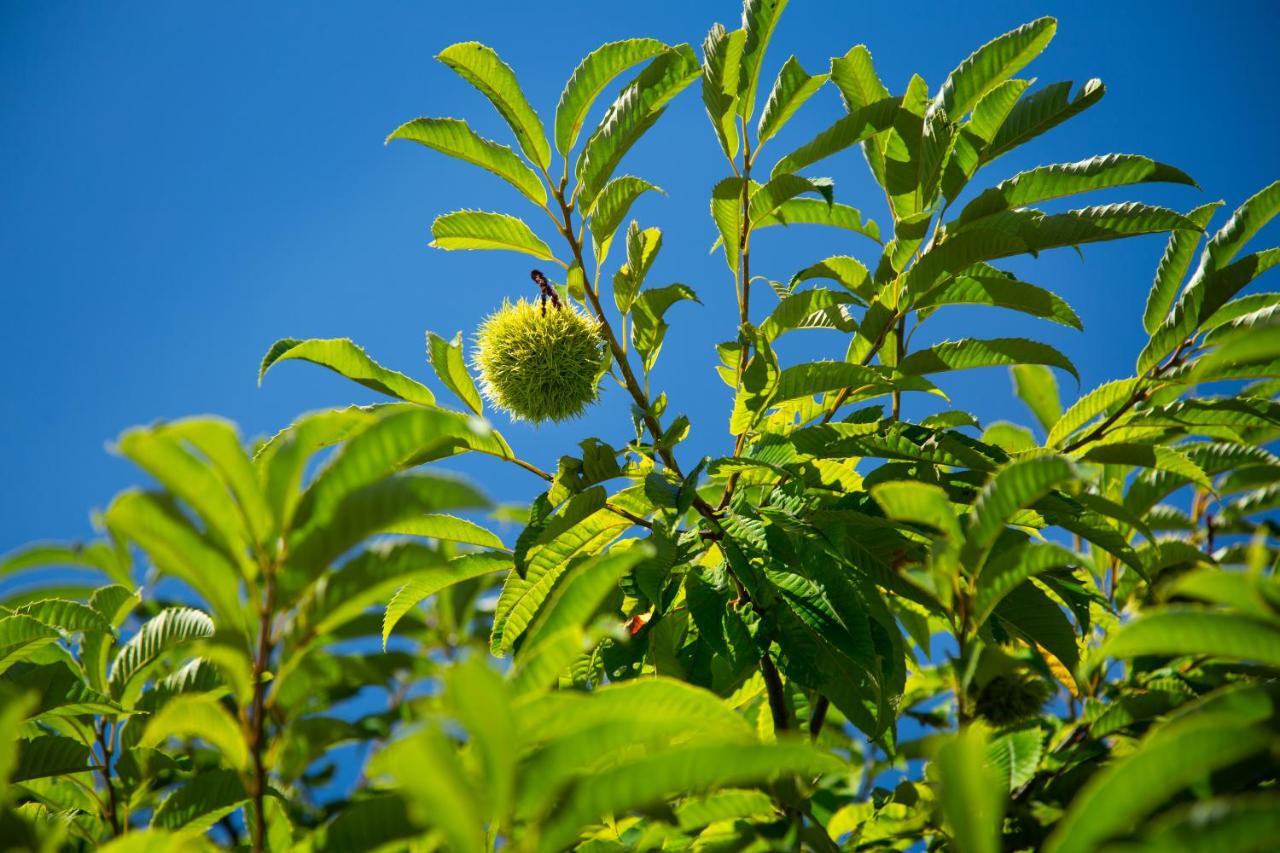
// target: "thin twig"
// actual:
[[777, 695], [111, 808], [1140, 392], [257, 722]]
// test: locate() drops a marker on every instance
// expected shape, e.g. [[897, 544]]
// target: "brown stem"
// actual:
[[110, 807], [744, 303], [963, 715], [961, 629], [624, 365], [1139, 393], [819, 716], [845, 392], [257, 715], [899, 349], [774, 690]]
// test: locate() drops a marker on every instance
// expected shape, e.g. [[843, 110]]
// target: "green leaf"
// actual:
[[218, 441], [20, 635], [1221, 823], [721, 69], [426, 583], [969, 792], [958, 253], [196, 484], [369, 822], [992, 64], [697, 812], [890, 441], [1245, 593], [1171, 758], [611, 208], [807, 379], [49, 755], [618, 723], [656, 778], [1083, 411], [1173, 267], [765, 200], [759, 19], [555, 717], [927, 504], [59, 692], [759, 382], [809, 309], [522, 597], [364, 512], [98, 556], [976, 133], [1148, 456], [648, 328], [115, 602], [367, 579], [1041, 112], [974, 352], [726, 212], [70, 616], [793, 87], [1015, 756], [177, 549], [401, 439], [478, 699], [283, 459], [478, 229], [1247, 221], [937, 142], [1040, 231], [1007, 570], [855, 76], [1030, 613], [201, 802], [579, 593], [438, 791], [830, 652], [1001, 292], [451, 368], [12, 712], [859, 126], [848, 272], [481, 67], [1183, 631], [636, 109], [446, 528], [642, 250], [164, 631], [1208, 291], [456, 138], [1064, 179], [1037, 387], [812, 211], [344, 357], [590, 78], [1015, 486], [198, 716]]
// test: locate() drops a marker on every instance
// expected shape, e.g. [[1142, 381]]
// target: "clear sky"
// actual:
[[181, 184]]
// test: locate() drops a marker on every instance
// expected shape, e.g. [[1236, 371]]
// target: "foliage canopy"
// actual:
[[852, 630]]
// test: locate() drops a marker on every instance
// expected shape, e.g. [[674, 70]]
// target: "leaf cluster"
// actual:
[[860, 627]]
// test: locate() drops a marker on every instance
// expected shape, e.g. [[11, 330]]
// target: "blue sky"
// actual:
[[183, 184]]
